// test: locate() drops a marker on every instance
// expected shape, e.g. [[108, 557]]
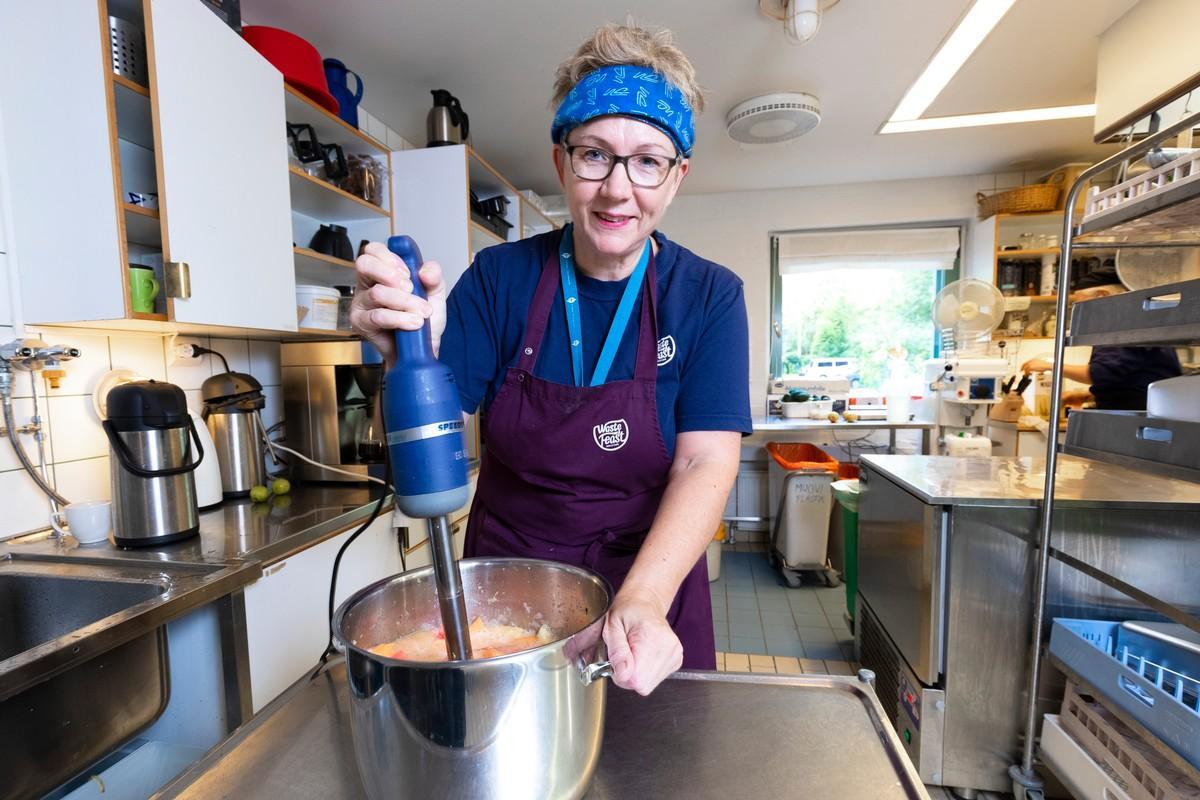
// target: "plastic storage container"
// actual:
[[800, 524], [316, 307]]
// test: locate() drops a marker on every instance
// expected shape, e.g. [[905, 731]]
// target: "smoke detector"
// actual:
[[773, 118]]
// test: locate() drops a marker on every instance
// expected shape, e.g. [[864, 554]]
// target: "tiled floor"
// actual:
[[755, 614]]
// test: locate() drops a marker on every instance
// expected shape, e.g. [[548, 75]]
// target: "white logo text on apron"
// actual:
[[611, 435], [666, 350]]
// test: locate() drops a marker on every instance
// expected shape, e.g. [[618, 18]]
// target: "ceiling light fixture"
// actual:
[[992, 118], [801, 18], [954, 52]]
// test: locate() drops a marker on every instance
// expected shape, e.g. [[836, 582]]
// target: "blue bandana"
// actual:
[[630, 91]]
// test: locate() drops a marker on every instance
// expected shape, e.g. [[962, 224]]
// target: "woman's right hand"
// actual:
[[384, 300]]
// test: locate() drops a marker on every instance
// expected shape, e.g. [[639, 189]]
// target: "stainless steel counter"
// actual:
[[239, 529], [778, 425], [697, 735], [1082, 483]]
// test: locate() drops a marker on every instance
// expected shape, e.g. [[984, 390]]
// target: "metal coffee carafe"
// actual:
[[446, 122], [152, 464], [232, 402]]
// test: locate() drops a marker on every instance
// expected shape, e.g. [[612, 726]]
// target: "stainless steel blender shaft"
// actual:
[[451, 601]]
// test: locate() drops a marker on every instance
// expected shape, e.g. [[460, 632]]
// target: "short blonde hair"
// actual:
[[613, 45]]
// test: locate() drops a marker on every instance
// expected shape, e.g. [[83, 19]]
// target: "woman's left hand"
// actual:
[[642, 647], [1036, 365]]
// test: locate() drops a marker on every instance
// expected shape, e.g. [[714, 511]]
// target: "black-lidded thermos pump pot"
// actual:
[[151, 437], [232, 402]]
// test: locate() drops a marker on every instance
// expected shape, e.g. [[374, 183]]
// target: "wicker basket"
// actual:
[[1035, 197]]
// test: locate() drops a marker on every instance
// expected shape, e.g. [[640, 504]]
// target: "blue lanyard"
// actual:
[[616, 331]]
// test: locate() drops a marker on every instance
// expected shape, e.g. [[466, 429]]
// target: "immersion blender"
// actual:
[[428, 455]]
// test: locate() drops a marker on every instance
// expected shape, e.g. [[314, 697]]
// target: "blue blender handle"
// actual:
[[423, 416]]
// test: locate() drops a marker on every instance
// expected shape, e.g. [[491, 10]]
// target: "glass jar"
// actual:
[[345, 298]]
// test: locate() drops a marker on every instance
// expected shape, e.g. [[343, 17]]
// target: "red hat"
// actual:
[[298, 60]]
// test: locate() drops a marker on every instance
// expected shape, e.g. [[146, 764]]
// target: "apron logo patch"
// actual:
[[666, 350], [611, 435]]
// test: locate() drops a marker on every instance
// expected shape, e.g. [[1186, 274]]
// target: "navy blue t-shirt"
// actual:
[[703, 348], [1121, 375]]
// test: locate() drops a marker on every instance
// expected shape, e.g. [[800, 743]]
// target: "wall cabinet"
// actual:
[[287, 608]]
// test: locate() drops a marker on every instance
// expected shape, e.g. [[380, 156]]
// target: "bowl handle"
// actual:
[[591, 673]]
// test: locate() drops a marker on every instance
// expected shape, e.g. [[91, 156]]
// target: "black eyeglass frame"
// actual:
[[616, 159]]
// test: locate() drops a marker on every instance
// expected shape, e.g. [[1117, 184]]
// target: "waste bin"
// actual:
[[846, 492], [798, 480], [713, 554]]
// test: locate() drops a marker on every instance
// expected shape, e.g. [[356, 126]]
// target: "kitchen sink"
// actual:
[[39, 608], [83, 655]]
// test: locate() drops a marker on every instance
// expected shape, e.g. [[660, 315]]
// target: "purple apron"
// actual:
[[575, 474]]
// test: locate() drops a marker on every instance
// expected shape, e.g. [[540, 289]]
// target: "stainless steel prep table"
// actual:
[[946, 551], [773, 424], [698, 735]]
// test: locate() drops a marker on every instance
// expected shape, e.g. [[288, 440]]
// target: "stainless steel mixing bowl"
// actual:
[[526, 725]]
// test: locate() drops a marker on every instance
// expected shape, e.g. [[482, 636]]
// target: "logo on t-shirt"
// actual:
[[611, 435], [666, 350]]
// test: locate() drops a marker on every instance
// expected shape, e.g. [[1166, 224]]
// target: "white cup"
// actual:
[[89, 521]]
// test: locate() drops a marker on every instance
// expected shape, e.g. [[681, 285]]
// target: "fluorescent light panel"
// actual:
[[993, 118], [954, 52]]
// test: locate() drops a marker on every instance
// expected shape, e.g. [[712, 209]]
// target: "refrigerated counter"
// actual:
[[946, 567]]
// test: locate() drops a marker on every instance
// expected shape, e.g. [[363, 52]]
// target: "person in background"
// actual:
[[1117, 377], [611, 364]]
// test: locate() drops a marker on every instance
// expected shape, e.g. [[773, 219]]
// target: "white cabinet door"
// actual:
[[224, 186], [287, 608], [57, 163]]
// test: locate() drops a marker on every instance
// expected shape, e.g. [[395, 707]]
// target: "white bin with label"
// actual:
[[801, 503]]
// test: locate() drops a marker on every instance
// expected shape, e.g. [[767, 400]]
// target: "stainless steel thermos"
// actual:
[[232, 402], [152, 464]]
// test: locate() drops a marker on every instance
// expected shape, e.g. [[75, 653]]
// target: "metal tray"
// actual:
[[1133, 439], [1163, 315], [1147, 677]]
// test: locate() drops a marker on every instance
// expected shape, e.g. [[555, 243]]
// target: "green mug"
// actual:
[[143, 288]]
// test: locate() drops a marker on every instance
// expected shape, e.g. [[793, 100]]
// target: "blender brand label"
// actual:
[[666, 350], [611, 435], [430, 431]]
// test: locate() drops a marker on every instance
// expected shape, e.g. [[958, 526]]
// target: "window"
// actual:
[[846, 301]]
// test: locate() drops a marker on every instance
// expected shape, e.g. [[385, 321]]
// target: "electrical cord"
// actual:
[[199, 350], [273, 446]]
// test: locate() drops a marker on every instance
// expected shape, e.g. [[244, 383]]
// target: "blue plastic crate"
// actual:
[[1134, 668]]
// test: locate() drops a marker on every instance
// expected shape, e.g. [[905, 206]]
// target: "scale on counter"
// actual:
[[965, 381]]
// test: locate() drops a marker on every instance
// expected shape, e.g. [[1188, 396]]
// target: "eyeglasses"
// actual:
[[647, 170]]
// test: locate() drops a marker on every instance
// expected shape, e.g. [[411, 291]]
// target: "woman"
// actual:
[[610, 363]]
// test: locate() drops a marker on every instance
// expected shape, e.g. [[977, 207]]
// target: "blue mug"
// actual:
[[335, 77]]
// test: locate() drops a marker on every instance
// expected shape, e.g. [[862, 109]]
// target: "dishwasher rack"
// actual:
[[1161, 210]]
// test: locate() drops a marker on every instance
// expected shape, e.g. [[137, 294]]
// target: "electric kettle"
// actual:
[[155, 452], [446, 122], [232, 402]]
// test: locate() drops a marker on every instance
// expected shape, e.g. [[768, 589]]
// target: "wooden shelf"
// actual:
[[481, 237], [320, 333], [329, 127], [1028, 214], [148, 317], [314, 267], [1027, 253], [121, 80], [142, 226], [316, 198]]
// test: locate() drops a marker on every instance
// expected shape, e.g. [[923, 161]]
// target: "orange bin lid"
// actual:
[[801, 455]]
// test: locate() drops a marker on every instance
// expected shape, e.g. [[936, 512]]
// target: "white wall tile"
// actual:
[[84, 480], [985, 183], [395, 141], [142, 354], [236, 352], [25, 507], [188, 373], [264, 362], [83, 373], [22, 413], [6, 312], [75, 432], [364, 120], [376, 129]]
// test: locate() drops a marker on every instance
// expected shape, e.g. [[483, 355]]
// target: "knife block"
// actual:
[[1008, 409]]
